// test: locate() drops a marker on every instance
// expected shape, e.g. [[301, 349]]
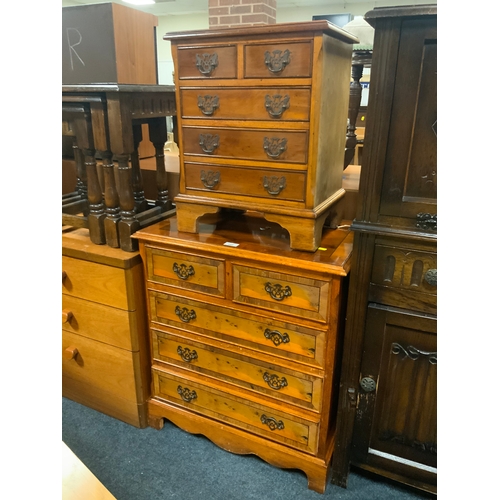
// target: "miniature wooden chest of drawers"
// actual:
[[262, 123], [105, 346], [245, 337]]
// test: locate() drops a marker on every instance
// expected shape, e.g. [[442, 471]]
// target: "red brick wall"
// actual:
[[229, 13]]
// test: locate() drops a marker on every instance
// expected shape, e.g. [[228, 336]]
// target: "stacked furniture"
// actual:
[[388, 395], [246, 335], [262, 119], [105, 348]]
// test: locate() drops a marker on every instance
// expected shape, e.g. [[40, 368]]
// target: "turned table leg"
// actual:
[[111, 201], [96, 207], [141, 203]]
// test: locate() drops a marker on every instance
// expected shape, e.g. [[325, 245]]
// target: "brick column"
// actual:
[[231, 13]]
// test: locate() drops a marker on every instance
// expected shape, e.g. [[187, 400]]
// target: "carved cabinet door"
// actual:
[[396, 418]]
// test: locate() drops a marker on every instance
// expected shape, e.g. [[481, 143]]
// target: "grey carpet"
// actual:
[[146, 464]]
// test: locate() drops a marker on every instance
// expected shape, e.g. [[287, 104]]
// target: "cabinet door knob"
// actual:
[[67, 315], [368, 384], [71, 352], [431, 277]]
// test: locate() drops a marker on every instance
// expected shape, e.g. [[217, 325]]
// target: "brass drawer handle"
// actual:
[[208, 104], [277, 60], [210, 179], [206, 63], [274, 382], [185, 314], [276, 105], [208, 142], [431, 277], [274, 185], [272, 423], [278, 292], [274, 146], [276, 337], [186, 394], [186, 354], [182, 271]]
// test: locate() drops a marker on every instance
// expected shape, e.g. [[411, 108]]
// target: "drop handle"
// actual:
[[71, 352], [67, 316]]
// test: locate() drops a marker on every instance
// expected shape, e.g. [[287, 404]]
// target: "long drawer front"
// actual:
[[284, 146], [284, 340], [256, 418], [257, 183], [272, 380]]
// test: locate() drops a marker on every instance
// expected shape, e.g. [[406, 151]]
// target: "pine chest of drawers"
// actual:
[[105, 348], [245, 337], [262, 123]]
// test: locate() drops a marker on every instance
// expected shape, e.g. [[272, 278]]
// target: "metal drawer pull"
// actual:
[[368, 384], [186, 394], [274, 382], [274, 185], [206, 63], [276, 337], [277, 60], [208, 104], [277, 105], [272, 423], [431, 277], [278, 292], [185, 314], [186, 354], [209, 143], [274, 146], [210, 179], [182, 271]]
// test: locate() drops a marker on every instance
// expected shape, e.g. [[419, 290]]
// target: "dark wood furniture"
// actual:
[[246, 335], [105, 347], [262, 120], [388, 394], [106, 120]]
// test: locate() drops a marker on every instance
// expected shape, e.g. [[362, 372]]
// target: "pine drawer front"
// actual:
[[257, 183], [295, 295], [401, 274], [103, 323], [284, 340], [274, 381], [212, 62], [185, 271], [290, 59], [256, 418], [273, 145], [280, 104], [96, 282]]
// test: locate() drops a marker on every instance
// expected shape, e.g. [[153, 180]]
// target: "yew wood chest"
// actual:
[[245, 337], [262, 114]]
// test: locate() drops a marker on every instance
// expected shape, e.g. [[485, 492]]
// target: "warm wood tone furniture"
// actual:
[[108, 119], [262, 120], [245, 337], [105, 348], [108, 43], [388, 385]]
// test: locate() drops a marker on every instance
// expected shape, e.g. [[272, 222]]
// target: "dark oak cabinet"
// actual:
[[388, 394]]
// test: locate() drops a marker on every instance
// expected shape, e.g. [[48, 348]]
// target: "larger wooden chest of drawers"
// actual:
[[245, 337], [105, 348], [262, 116]]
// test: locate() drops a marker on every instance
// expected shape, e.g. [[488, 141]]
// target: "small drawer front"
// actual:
[[284, 146], [257, 183], [96, 282], [106, 324], [279, 104], [279, 60], [186, 271], [277, 382], [207, 62], [290, 294], [256, 418], [267, 335]]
